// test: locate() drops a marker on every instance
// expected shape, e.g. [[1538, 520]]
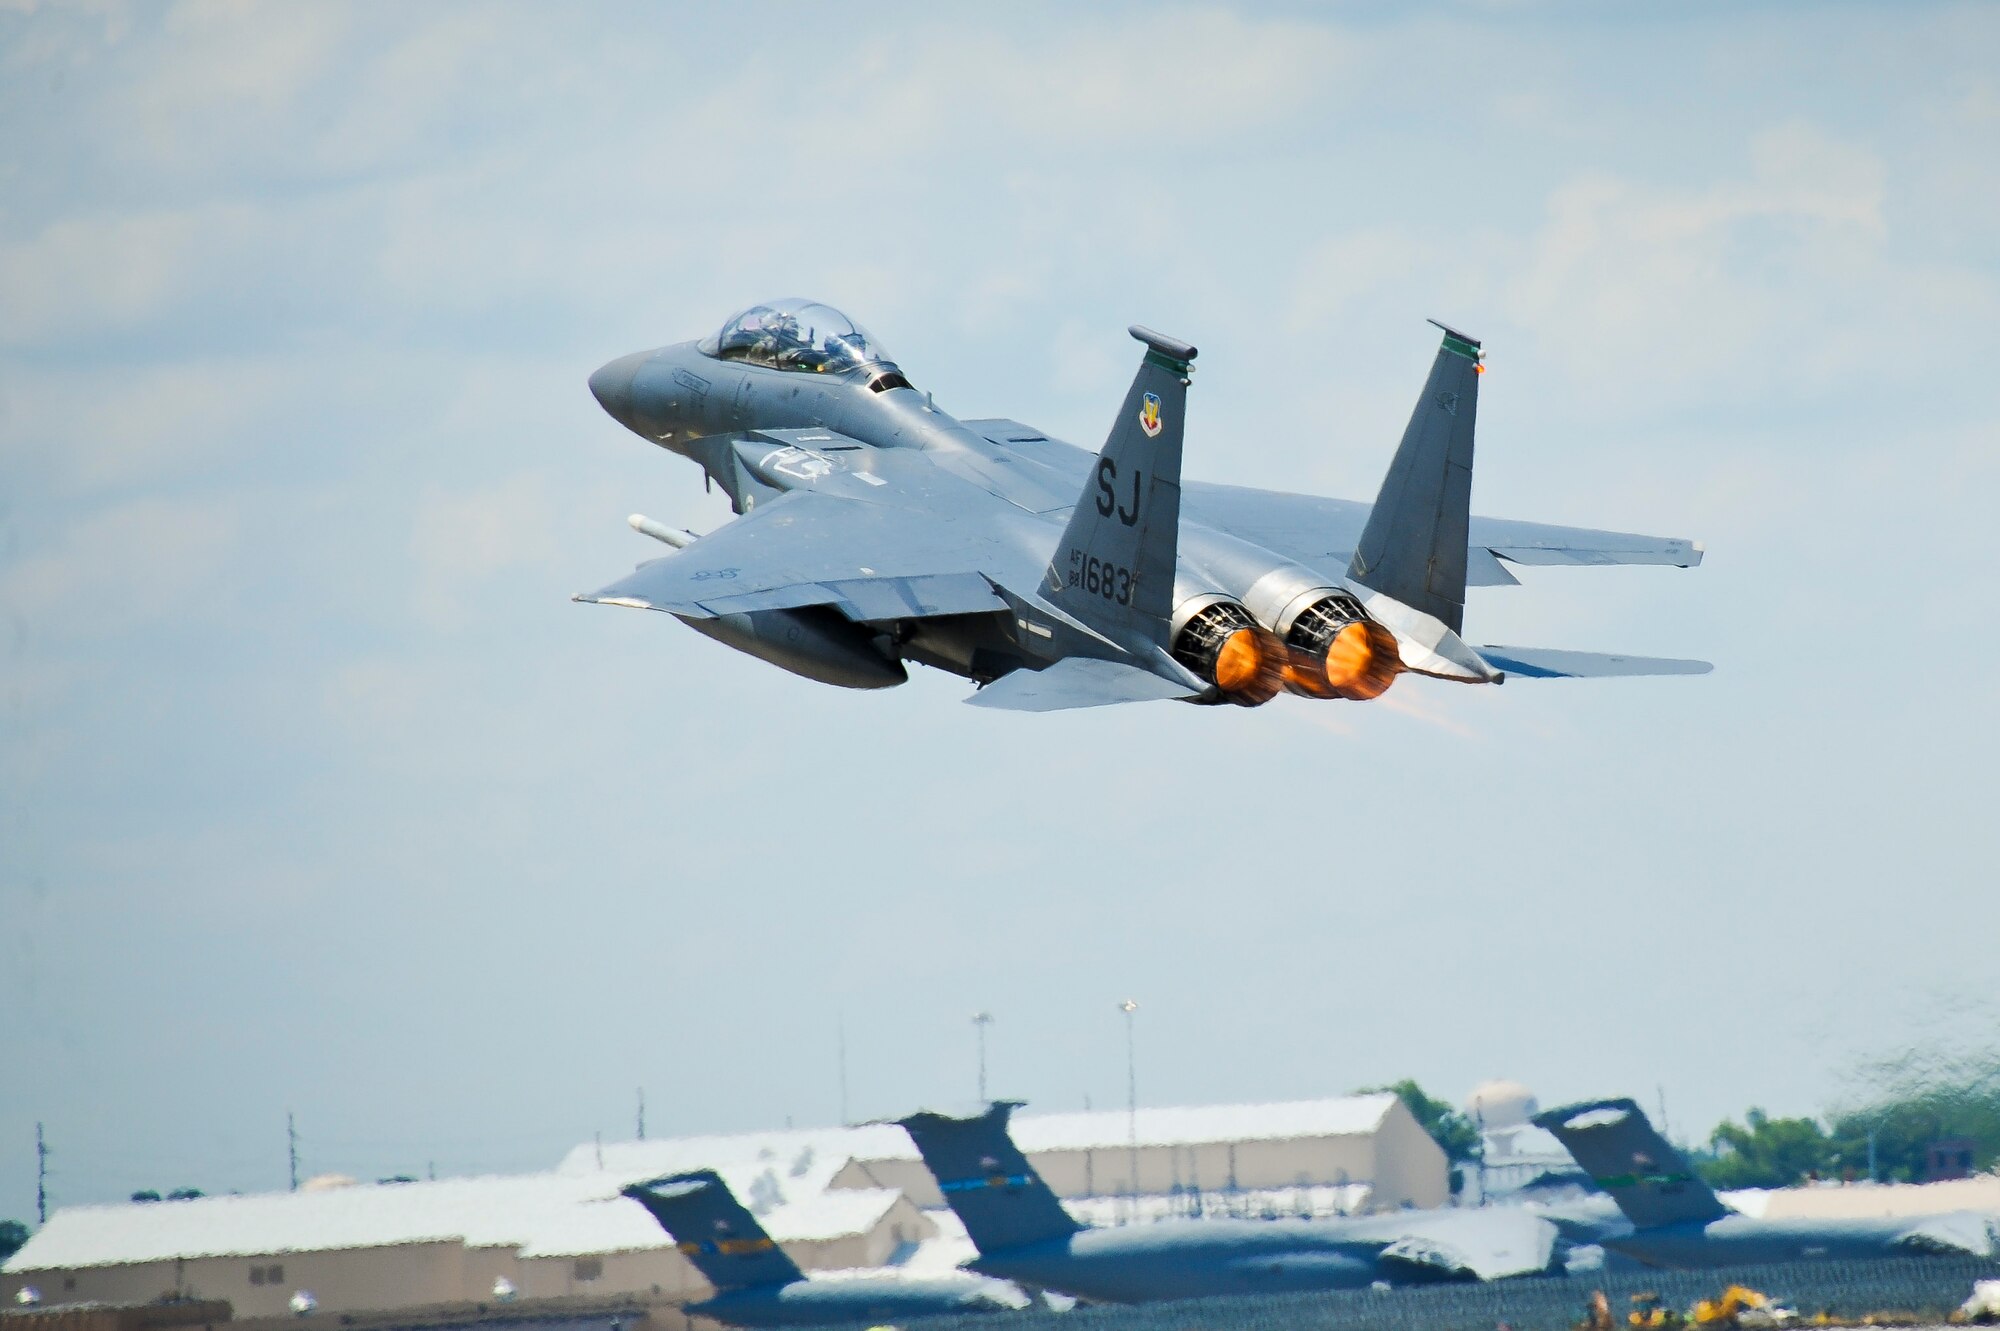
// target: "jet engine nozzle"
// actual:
[[1335, 651], [1223, 645]]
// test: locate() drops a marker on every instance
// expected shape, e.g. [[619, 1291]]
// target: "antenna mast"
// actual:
[[840, 1053]]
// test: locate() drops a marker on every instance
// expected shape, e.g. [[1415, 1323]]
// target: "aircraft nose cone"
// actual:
[[611, 385]]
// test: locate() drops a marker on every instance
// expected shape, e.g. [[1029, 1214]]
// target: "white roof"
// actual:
[[1285, 1120], [1981, 1193], [809, 1149], [788, 1152], [492, 1211], [540, 1215]]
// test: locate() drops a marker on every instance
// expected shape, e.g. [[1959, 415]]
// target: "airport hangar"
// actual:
[[834, 1198]]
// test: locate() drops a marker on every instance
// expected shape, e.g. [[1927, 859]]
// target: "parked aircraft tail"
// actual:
[[1650, 1180], [714, 1231], [986, 1180], [1114, 568]]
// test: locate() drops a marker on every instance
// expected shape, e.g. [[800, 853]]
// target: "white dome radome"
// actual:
[[1501, 1104]]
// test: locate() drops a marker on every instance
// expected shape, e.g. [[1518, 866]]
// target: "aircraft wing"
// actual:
[[870, 561], [1488, 1243], [1322, 534], [1076, 681]]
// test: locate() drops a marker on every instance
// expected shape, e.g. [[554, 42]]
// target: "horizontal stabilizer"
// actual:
[[1076, 681], [1549, 663], [1608, 548]]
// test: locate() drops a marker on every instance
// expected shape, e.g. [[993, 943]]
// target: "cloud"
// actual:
[[1344, 268], [1190, 74], [105, 273], [1774, 283], [122, 568], [235, 73], [462, 539], [88, 429]]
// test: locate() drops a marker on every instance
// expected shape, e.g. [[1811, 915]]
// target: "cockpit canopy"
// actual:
[[797, 334]]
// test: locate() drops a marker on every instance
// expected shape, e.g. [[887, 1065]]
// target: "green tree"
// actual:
[[1915, 1101], [12, 1235], [1450, 1129], [1766, 1152]]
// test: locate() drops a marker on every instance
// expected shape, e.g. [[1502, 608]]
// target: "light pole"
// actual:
[[980, 1021], [1128, 1007]]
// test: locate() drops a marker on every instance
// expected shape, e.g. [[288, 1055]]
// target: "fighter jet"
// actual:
[[876, 529], [1023, 1234], [757, 1285], [1672, 1219]]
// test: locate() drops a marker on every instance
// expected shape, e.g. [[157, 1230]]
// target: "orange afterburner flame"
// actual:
[[1348, 657], [1239, 662], [1221, 644], [1360, 663], [1249, 668]]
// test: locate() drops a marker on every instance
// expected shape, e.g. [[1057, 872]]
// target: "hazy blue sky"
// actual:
[[316, 792]]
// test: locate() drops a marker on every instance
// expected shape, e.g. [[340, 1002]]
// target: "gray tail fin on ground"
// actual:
[[1114, 568], [714, 1231], [986, 1180], [1617, 1146], [1414, 545]]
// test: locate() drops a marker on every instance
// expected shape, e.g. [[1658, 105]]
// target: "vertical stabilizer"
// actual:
[[714, 1231], [1617, 1146], [991, 1186], [1413, 548], [1114, 568]]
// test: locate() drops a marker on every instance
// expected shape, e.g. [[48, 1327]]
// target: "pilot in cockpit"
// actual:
[[800, 335]]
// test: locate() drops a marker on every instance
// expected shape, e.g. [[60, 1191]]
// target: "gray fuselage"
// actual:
[[1737, 1239], [1015, 493], [855, 1299], [1184, 1259]]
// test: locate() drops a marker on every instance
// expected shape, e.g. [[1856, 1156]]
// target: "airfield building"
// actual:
[[377, 1247], [833, 1198], [1369, 1144]]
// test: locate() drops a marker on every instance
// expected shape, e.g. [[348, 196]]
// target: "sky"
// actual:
[[319, 796]]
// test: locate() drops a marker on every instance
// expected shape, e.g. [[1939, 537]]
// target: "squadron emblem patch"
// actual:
[[1149, 415]]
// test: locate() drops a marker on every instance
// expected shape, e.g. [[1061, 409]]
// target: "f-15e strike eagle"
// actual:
[[876, 529]]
